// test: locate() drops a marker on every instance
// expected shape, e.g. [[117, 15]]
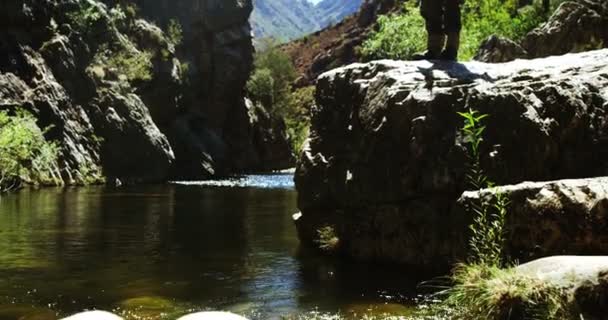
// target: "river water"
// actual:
[[157, 252]]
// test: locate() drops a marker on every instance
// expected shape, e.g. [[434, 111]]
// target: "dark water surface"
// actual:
[[157, 252]]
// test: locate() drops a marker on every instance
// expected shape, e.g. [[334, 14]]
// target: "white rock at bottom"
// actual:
[[94, 315], [212, 315]]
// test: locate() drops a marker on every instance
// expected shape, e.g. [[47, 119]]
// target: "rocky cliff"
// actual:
[[119, 97], [385, 162]]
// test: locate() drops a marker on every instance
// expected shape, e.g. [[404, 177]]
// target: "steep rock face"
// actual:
[[117, 99], [385, 162], [51, 70], [576, 26], [211, 134]]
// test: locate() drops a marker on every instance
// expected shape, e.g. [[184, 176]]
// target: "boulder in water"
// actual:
[[385, 161]]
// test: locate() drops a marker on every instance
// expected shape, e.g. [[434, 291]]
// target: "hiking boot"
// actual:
[[434, 46], [450, 53]]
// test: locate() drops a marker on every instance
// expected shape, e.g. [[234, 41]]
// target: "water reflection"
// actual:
[[161, 251]]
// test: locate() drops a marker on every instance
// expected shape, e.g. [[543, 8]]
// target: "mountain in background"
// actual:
[[286, 20]]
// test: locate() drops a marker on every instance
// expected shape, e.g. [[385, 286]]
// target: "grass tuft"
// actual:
[[482, 291]]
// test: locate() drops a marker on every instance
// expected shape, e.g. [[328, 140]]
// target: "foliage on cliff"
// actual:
[[271, 86], [398, 35], [25, 155]]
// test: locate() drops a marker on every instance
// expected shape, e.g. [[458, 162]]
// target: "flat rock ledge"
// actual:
[[208, 315], [551, 218], [385, 163]]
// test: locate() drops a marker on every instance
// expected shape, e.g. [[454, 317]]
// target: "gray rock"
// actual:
[[498, 49], [549, 218], [385, 163], [576, 26], [583, 278], [134, 149]]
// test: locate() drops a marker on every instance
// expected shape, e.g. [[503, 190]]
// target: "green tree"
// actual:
[[25, 155]]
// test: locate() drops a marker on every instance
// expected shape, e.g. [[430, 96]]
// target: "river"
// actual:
[[160, 251]]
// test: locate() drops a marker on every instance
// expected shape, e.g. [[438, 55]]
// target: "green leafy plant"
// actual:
[[270, 85], [175, 33], [85, 17], [488, 227], [297, 117], [261, 87], [398, 36], [327, 240], [134, 65], [25, 155]]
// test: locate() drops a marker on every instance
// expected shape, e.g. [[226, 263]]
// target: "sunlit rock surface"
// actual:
[[548, 218], [385, 162], [584, 278]]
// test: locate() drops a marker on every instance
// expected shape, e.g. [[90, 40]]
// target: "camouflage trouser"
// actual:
[[441, 16]]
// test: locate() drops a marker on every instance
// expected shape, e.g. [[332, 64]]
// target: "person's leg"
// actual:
[[452, 24], [432, 12]]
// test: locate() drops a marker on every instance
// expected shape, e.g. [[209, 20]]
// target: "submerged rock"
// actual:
[[26, 312], [385, 161]]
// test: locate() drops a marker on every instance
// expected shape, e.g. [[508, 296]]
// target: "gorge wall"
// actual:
[[385, 162], [125, 102]]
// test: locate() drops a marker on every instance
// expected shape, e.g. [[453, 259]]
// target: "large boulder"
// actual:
[[385, 161], [583, 279], [134, 148]]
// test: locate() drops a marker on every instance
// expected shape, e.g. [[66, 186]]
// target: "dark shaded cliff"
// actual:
[[124, 101]]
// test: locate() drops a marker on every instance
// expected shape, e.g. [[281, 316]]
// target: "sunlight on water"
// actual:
[[275, 181]]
